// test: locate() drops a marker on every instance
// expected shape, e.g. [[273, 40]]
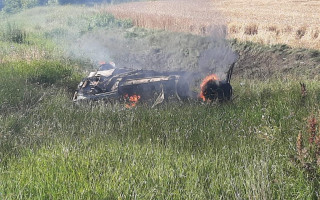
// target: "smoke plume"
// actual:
[[218, 56], [90, 46]]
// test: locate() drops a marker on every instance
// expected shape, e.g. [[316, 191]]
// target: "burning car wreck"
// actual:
[[121, 84]]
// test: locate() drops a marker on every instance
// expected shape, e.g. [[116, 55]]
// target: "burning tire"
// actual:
[[212, 89], [217, 90]]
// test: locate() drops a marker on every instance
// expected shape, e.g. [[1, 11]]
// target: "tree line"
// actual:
[[14, 6]]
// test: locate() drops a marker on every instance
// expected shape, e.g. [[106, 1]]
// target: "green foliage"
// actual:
[[29, 3], [315, 55], [187, 151], [108, 20], [47, 72], [56, 33], [24, 83], [43, 2], [51, 148], [13, 33], [280, 47], [63, 2], [12, 6]]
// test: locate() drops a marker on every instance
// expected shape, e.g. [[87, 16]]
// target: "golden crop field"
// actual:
[[292, 22]]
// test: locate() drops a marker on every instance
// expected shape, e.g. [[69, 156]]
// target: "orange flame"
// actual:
[[213, 77], [133, 100]]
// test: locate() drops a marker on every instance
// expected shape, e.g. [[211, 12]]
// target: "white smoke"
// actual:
[[218, 56], [89, 46], [159, 51]]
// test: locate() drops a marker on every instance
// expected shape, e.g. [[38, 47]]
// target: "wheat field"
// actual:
[[292, 22]]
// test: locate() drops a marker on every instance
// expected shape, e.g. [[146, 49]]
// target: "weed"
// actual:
[[234, 29], [274, 28], [107, 20], [12, 33], [314, 54], [308, 157], [303, 90], [287, 29], [56, 33], [315, 34], [251, 29], [301, 32], [280, 47]]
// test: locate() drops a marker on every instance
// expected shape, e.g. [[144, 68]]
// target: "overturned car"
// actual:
[[111, 83]]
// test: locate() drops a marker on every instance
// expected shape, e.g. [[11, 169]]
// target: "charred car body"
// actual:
[[111, 83]]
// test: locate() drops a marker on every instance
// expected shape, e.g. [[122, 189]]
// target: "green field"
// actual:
[[51, 148]]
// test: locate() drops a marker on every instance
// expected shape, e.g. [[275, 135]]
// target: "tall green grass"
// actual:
[[51, 148], [48, 32], [23, 83], [239, 149]]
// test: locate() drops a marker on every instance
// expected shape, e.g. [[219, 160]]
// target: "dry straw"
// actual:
[[295, 23]]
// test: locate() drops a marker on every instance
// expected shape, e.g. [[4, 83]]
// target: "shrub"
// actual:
[[107, 20], [29, 3], [63, 2], [12, 6], [42, 2], [12, 33]]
